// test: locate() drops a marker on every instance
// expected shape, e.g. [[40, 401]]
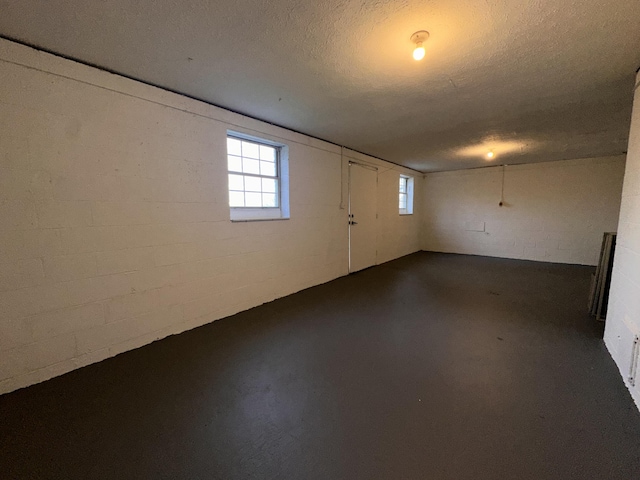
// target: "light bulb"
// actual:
[[418, 53], [490, 154]]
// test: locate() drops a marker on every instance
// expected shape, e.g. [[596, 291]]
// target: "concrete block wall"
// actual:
[[114, 217], [623, 315], [396, 233], [553, 211]]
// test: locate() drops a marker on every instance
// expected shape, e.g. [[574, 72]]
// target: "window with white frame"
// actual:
[[406, 195], [258, 178]]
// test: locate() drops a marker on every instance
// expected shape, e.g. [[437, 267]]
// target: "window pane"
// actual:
[[267, 153], [269, 185], [235, 182], [236, 199], [233, 146], [268, 168], [269, 200], [250, 150], [403, 185], [403, 201], [252, 184], [251, 166], [252, 199], [235, 163]]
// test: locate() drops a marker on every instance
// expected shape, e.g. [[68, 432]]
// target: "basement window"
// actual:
[[406, 195], [258, 178]]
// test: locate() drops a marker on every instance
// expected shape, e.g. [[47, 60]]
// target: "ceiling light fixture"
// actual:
[[490, 154], [419, 38]]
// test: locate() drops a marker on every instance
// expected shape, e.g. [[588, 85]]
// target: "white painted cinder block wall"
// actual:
[[553, 212], [623, 314], [114, 218]]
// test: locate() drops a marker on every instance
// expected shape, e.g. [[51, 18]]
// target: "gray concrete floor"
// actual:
[[432, 366]]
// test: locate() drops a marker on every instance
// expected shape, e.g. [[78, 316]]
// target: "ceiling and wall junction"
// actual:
[[533, 81]]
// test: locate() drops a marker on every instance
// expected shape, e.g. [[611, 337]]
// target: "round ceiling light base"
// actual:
[[420, 37]]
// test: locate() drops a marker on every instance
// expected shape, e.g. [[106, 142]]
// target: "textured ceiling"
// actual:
[[534, 80]]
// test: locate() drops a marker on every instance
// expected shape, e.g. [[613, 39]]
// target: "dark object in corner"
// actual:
[[601, 280]]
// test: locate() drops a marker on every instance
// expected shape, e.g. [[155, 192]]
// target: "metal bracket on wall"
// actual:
[[635, 353]]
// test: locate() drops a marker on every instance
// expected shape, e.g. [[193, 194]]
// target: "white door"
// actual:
[[363, 197]]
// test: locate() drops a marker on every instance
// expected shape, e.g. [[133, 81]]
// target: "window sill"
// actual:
[[257, 214], [233, 220]]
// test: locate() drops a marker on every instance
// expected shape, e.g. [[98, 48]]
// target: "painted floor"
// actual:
[[432, 366]]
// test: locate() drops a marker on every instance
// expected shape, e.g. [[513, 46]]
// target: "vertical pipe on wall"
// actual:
[[341, 177]]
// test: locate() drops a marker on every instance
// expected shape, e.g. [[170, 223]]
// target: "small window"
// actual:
[[406, 195], [258, 178]]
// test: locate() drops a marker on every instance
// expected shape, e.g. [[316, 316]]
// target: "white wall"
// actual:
[[114, 218], [553, 212], [623, 314]]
